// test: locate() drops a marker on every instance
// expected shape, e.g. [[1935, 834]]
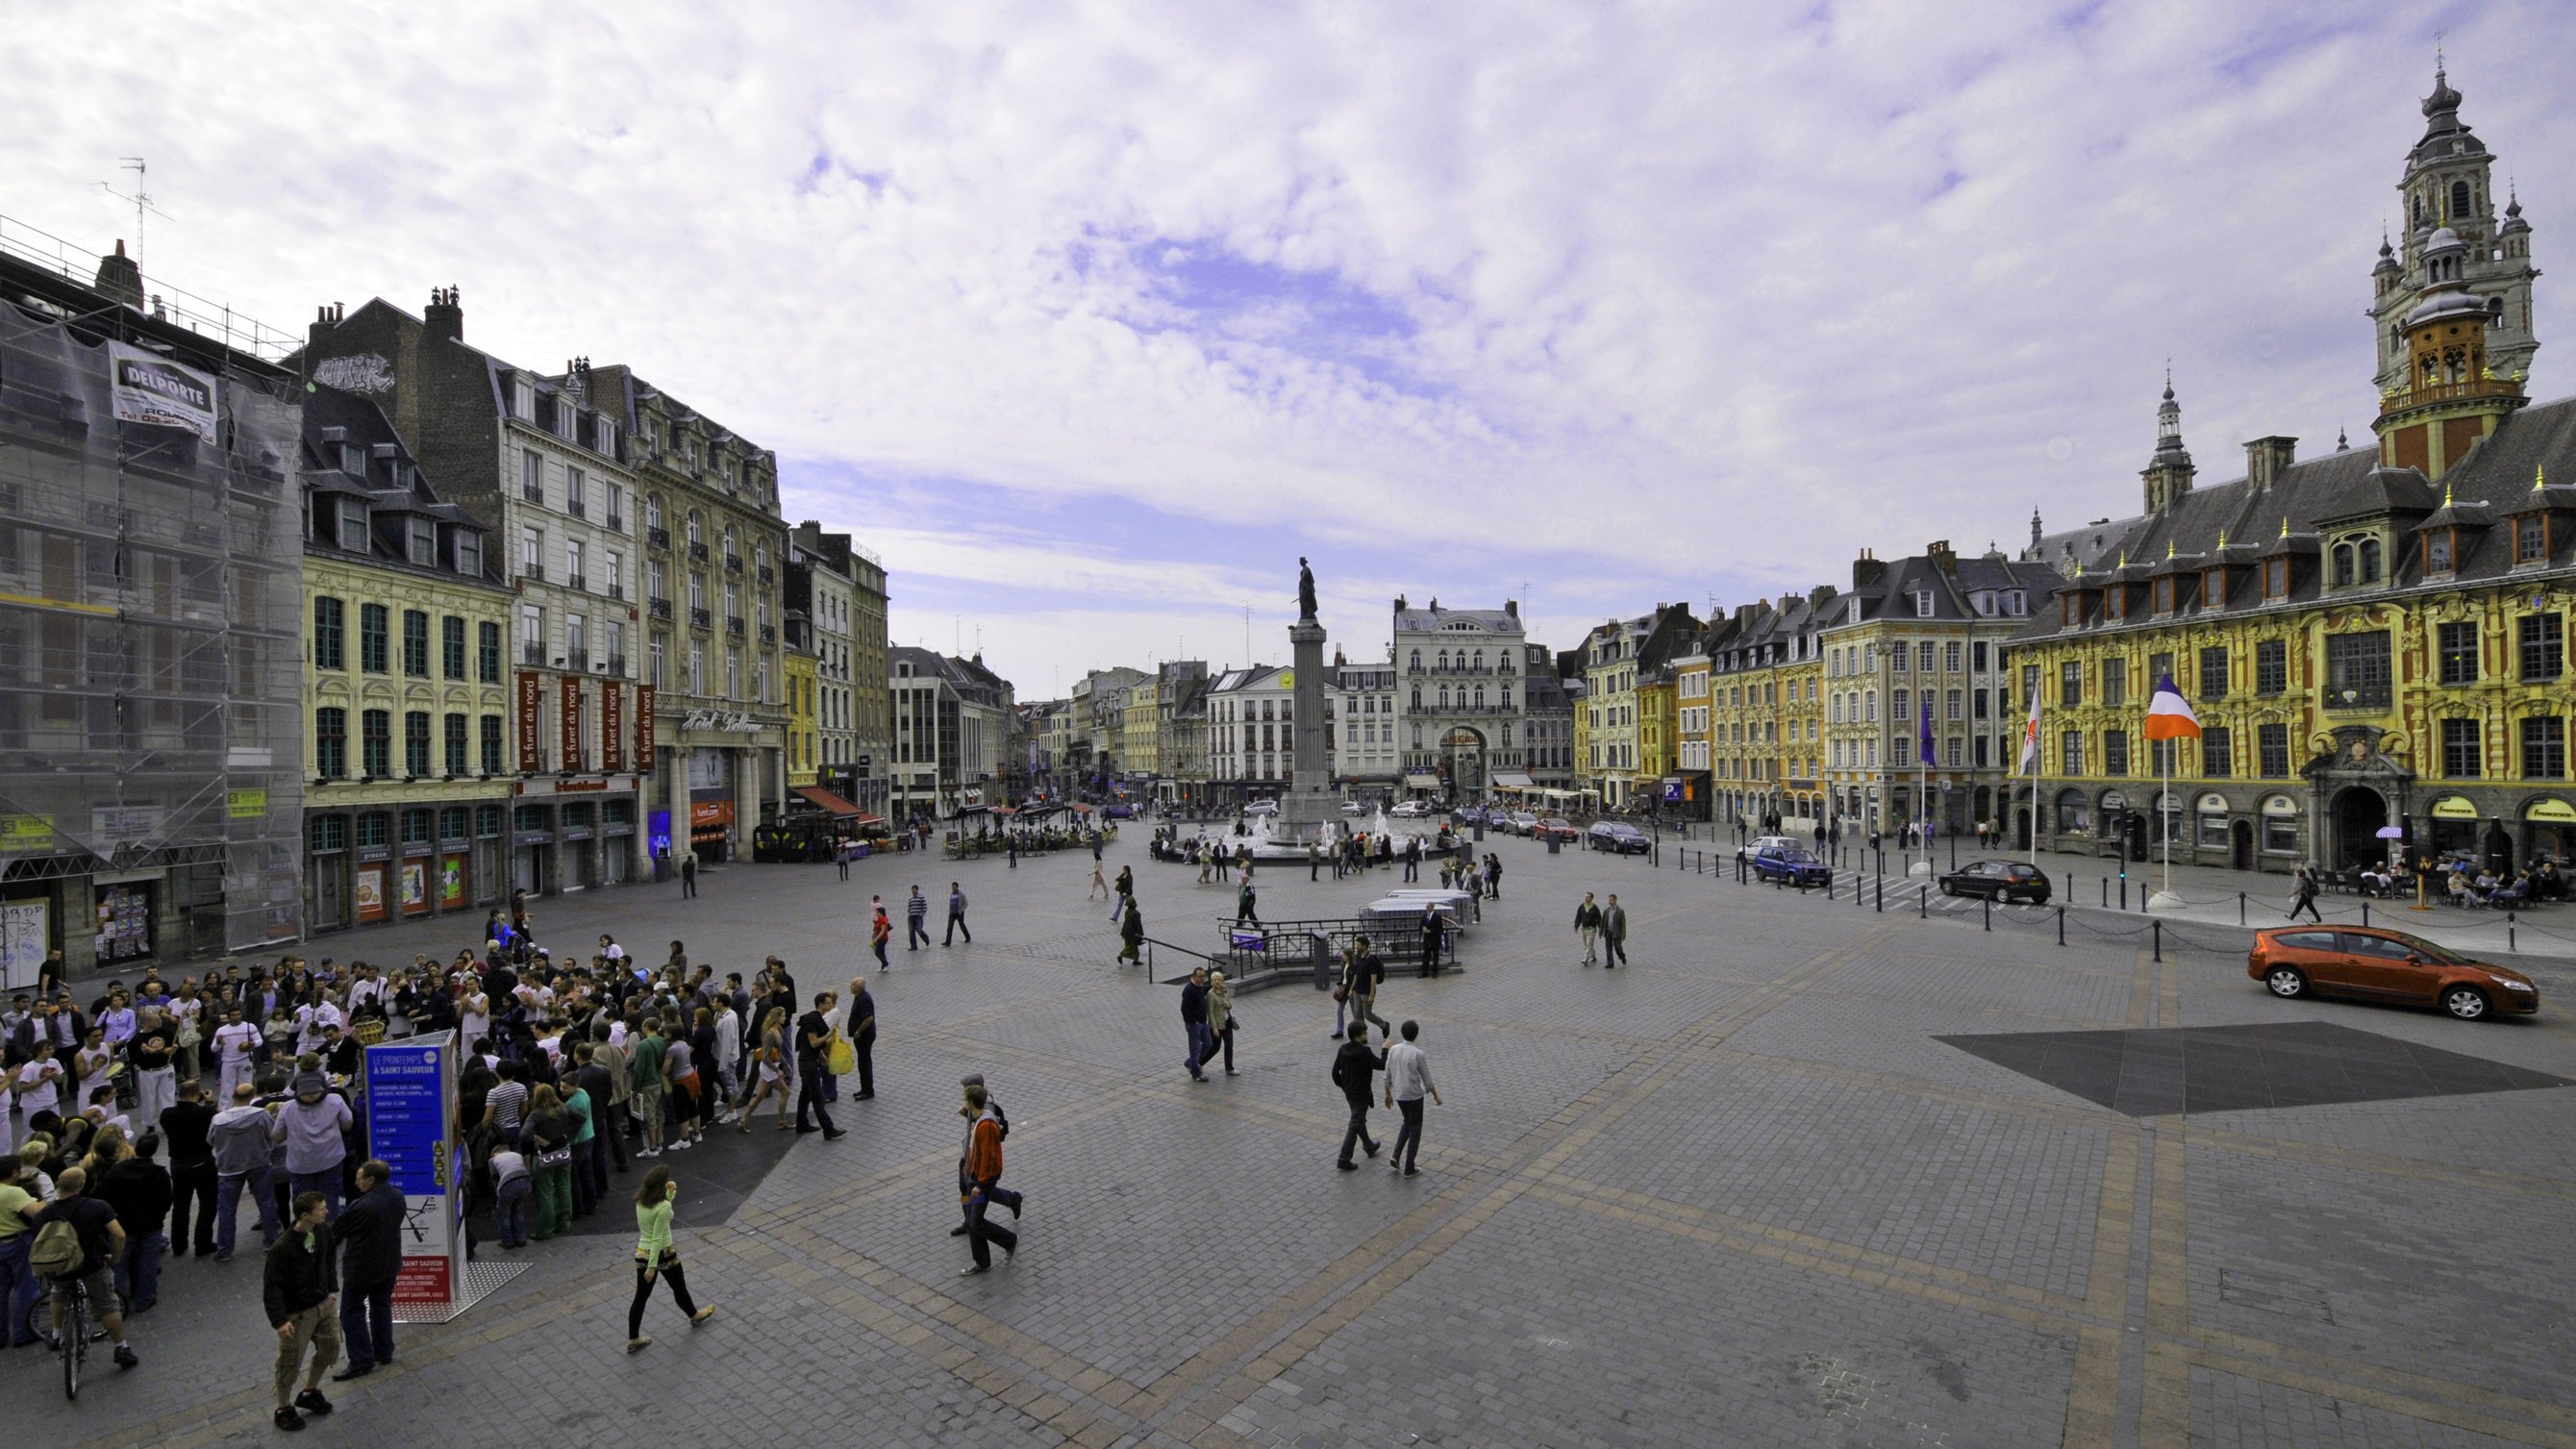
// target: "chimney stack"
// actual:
[[1513, 608], [2266, 459], [445, 315], [120, 278], [1867, 570], [1942, 558]]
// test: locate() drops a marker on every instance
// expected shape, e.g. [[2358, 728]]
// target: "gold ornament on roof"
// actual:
[[2446, 494], [2285, 525], [2539, 476]]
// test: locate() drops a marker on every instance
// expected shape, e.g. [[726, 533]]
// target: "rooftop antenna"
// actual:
[[142, 202]]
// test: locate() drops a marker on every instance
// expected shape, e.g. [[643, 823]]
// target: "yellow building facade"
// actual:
[[804, 723]]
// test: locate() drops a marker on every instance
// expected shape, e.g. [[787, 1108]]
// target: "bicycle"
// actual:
[[71, 1333]]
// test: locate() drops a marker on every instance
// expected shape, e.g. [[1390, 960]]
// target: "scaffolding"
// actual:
[[150, 634]]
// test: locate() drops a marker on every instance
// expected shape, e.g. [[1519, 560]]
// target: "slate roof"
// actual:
[[2318, 495]]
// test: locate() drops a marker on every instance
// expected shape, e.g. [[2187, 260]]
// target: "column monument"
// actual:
[[1309, 811]]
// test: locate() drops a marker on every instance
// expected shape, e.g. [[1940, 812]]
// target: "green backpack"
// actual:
[[56, 1252]]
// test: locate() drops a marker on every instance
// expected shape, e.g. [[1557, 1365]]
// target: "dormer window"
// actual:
[[2016, 602], [2276, 579], [2164, 588], [353, 525], [424, 543], [2440, 548], [2531, 540], [353, 461], [1923, 603], [2115, 602], [603, 436], [523, 400], [2213, 588]]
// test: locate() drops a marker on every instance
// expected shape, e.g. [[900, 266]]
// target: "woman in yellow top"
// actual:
[[656, 1258]]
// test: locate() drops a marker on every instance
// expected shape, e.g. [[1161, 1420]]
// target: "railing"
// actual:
[[767, 574], [700, 619], [577, 584], [578, 662], [616, 524], [616, 590], [532, 654], [208, 319], [768, 633], [535, 571], [658, 538], [533, 492], [661, 608], [733, 625], [698, 553], [576, 508], [616, 665], [733, 563], [2367, 697]]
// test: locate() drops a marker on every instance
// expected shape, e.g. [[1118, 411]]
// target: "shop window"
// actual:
[[488, 820], [455, 822], [328, 834], [416, 826], [375, 830]]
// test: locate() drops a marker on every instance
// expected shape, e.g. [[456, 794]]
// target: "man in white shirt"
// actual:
[[313, 1025], [1408, 1077], [474, 1014], [235, 1040]]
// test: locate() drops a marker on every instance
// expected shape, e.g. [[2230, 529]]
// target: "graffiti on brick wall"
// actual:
[[366, 373]]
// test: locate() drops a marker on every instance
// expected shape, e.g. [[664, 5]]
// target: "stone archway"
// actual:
[[1462, 763], [2356, 816]]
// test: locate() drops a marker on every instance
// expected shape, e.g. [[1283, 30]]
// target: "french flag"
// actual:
[[2169, 715]]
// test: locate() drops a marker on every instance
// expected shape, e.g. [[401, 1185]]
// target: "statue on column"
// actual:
[[1305, 589]]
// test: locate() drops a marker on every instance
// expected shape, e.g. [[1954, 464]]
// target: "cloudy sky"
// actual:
[[1091, 318]]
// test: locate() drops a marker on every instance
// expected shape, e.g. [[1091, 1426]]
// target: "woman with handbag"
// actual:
[[547, 1142], [680, 1067], [1220, 1021], [656, 1259]]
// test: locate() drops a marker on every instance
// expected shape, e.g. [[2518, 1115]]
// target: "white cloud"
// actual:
[[1694, 298]]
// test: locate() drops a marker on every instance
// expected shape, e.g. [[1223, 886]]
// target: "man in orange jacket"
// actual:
[[979, 1173]]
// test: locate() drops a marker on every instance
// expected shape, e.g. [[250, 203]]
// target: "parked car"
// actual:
[[1262, 807], [1557, 827], [1352, 807], [1120, 810], [1619, 836], [1761, 843], [1998, 880], [1409, 810], [1793, 863], [1523, 822], [2376, 964]]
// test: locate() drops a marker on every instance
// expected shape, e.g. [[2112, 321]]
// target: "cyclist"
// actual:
[[101, 1244]]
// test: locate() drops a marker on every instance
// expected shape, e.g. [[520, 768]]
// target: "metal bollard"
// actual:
[[2160, 939], [2240, 908], [2124, 890], [1990, 913], [1882, 894], [2061, 925], [1923, 902], [2106, 893], [2365, 910], [2509, 942]]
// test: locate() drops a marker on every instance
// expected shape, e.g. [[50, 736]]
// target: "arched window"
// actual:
[[2370, 560], [1480, 661], [2342, 564], [1444, 696], [693, 525], [1441, 666], [1480, 696], [652, 510], [1417, 665], [1417, 700]]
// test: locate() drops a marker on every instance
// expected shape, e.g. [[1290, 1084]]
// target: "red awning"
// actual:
[[830, 803]]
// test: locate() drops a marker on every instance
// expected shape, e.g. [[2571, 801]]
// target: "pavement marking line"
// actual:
[[2164, 1411], [2207, 1346], [2421, 1169], [1767, 1240], [2142, 988], [2093, 1389], [2364, 1391]]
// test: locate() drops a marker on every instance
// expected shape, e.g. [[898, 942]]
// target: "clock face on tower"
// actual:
[[1287, 679]]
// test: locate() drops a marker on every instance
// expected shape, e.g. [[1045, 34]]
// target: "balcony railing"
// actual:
[[616, 523], [733, 563], [698, 552], [532, 654], [535, 571], [767, 574], [577, 584], [699, 618], [576, 508], [2358, 696], [768, 633], [616, 590], [733, 625], [615, 664], [658, 538], [533, 492], [577, 661]]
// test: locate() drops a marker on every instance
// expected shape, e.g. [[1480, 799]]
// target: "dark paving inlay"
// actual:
[[2161, 1071], [715, 1178]]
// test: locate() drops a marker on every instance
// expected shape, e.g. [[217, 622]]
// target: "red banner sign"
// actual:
[[571, 722], [612, 726], [531, 708], [644, 728]]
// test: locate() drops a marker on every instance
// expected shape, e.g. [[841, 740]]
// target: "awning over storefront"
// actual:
[[1511, 780], [826, 801], [1421, 781]]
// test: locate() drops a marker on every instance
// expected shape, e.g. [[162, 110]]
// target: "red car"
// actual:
[[1557, 827], [2382, 965]]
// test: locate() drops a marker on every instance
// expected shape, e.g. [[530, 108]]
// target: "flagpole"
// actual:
[[2164, 807], [2038, 767]]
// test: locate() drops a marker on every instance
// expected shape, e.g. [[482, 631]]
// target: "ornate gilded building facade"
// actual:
[[2372, 638]]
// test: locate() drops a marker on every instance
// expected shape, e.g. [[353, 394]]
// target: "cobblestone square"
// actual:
[[1733, 1194]]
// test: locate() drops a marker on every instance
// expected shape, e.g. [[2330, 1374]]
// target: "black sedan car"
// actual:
[[1618, 836], [1998, 880]]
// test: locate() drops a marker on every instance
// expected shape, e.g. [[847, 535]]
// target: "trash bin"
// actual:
[[1324, 964], [1555, 844], [1479, 828]]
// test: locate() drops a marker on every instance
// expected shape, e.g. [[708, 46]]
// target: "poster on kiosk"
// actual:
[[411, 1128]]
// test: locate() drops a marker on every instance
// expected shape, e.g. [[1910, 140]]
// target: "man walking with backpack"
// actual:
[[979, 1171]]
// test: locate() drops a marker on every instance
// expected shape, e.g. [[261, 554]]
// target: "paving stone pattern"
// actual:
[[1739, 1193]]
